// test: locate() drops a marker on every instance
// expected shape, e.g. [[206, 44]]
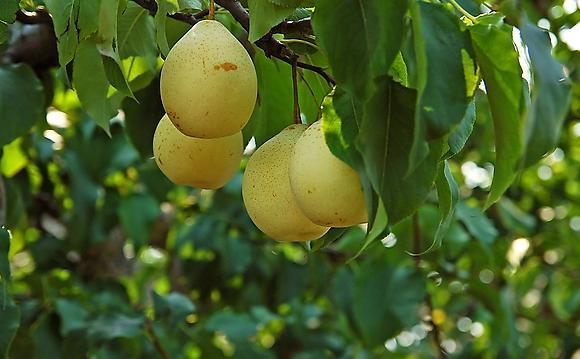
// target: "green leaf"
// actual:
[[138, 213], [330, 237], [498, 60], [5, 238], [459, 136], [551, 95], [477, 224], [293, 3], [21, 101], [366, 45], [386, 299], [14, 159], [65, 14], [115, 73], [112, 326], [9, 324], [136, 32], [264, 15], [8, 10], [88, 22], [4, 33], [234, 326], [385, 140], [163, 8], [448, 195], [91, 84], [72, 315], [190, 4], [443, 96], [141, 118], [174, 306]]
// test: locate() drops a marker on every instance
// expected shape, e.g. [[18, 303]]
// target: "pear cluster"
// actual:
[[208, 90], [295, 189]]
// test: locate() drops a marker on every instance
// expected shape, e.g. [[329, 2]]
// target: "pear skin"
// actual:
[[267, 195], [197, 162], [327, 190], [208, 82]]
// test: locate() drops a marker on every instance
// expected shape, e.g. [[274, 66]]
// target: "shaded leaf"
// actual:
[[9, 323], [459, 136], [112, 326], [234, 326], [477, 223], [21, 101], [498, 59], [136, 32], [138, 213], [5, 238], [64, 16], [448, 195], [264, 15], [72, 315]]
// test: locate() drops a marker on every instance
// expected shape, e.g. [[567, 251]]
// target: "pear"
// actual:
[[267, 195], [208, 82], [327, 190], [197, 162]]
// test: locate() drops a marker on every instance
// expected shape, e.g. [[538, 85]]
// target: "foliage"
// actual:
[[473, 240]]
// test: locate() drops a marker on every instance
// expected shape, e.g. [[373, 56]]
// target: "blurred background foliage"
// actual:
[[108, 259]]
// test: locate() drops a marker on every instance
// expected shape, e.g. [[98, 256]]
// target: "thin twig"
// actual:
[[417, 249], [463, 11], [155, 340], [297, 119]]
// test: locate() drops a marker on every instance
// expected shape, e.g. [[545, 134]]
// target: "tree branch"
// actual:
[[155, 340]]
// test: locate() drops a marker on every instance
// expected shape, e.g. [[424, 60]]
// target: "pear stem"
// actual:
[[211, 15], [297, 118]]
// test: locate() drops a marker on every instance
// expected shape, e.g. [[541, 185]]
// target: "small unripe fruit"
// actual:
[[208, 82], [327, 190], [267, 195], [197, 162]]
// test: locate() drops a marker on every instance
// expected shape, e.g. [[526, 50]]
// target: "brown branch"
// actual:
[[417, 249], [297, 119], [155, 340]]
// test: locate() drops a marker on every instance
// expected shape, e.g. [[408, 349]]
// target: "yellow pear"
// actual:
[[267, 195], [326, 189], [197, 162], [208, 82]]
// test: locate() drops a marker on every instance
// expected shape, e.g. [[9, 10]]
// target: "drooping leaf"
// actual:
[[138, 213], [385, 140], [173, 306], [9, 323], [72, 315], [264, 15], [498, 59], [65, 14], [234, 326], [550, 94], [442, 48], [21, 101], [459, 136], [163, 8], [448, 195], [136, 32], [88, 21], [8, 10], [367, 44], [385, 300], [91, 84], [477, 224], [112, 326], [4, 249]]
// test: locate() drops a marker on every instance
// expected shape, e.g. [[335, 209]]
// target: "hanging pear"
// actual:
[[267, 195], [208, 82], [327, 190], [197, 162]]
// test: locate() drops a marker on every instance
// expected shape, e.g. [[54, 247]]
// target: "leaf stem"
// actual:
[[463, 11], [297, 119]]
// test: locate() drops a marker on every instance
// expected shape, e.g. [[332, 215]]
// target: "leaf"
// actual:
[[5, 238], [91, 84], [14, 159], [235, 255], [174, 306], [115, 73], [330, 237], [551, 95], [477, 224], [138, 213], [459, 136], [111, 326], [141, 118], [264, 15], [136, 32], [385, 140], [21, 101], [234, 326], [163, 8], [64, 16], [8, 10], [293, 3], [88, 22], [72, 315], [448, 195], [443, 96], [498, 60], [190, 4], [366, 45], [386, 300], [9, 324]]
